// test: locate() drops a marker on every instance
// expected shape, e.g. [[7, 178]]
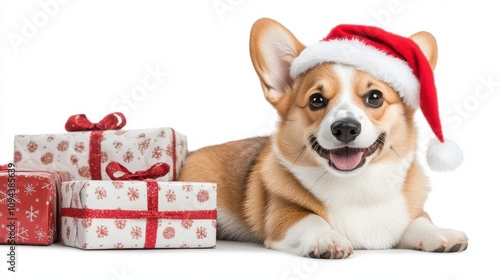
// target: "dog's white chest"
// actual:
[[377, 226], [369, 210]]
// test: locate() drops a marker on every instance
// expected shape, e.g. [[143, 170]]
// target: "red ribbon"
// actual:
[[151, 223], [83, 213], [159, 169], [95, 154], [80, 122], [151, 214]]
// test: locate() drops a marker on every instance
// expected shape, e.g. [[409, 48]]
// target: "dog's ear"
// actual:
[[428, 45], [273, 48]]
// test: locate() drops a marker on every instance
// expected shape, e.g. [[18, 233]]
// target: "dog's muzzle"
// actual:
[[347, 158]]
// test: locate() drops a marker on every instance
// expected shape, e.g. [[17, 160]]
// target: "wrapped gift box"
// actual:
[[28, 210], [85, 154], [138, 214]]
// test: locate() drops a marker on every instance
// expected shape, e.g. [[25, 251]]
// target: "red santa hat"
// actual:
[[396, 60]]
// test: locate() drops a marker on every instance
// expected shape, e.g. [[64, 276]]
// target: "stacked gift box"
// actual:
[[29, 213], [100, 187]]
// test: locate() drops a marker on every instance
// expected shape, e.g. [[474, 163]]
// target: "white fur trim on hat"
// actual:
[[394, 71], [444, 156]]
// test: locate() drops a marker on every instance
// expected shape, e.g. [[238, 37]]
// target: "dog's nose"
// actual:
[[346, 130]]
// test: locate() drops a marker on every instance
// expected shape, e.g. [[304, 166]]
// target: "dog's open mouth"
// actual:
[[347, 158]]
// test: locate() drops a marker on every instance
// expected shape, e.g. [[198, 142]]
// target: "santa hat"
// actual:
[[396, 60]]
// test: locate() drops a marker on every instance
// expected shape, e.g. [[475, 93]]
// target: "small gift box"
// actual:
[[87, 148], [28, 205], [138, 214]]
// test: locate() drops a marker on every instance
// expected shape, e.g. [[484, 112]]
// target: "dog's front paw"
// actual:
[[329, 244], [444, 240], [313, 237], [422, 235]]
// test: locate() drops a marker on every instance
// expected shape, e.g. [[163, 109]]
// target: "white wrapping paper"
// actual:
[[136, 149], [174, 198]]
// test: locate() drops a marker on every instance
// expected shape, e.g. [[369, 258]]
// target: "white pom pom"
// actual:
[[444, 156]]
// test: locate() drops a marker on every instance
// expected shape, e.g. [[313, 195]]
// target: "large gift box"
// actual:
[[87, 148], [28, 205], [138, 214]]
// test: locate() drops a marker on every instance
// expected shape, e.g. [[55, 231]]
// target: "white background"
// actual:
[[89, 56]]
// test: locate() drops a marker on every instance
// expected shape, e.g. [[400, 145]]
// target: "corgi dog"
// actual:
[[340, 172]]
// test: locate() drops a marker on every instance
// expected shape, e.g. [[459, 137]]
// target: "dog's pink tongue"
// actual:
[[346, 159]]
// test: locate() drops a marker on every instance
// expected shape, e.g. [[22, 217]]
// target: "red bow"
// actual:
[[81, 123], [157, 170]]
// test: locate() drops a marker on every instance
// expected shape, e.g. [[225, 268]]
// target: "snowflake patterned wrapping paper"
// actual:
[[86, 154], [35, 220], [138, 214]]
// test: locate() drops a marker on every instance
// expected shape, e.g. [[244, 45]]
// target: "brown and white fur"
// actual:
[[283, 191]]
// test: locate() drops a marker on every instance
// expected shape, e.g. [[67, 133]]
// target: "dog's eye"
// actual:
[[317, 101], [374, 98]]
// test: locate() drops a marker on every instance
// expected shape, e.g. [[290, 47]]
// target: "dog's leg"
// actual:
[[421, 234], [310, 236]]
